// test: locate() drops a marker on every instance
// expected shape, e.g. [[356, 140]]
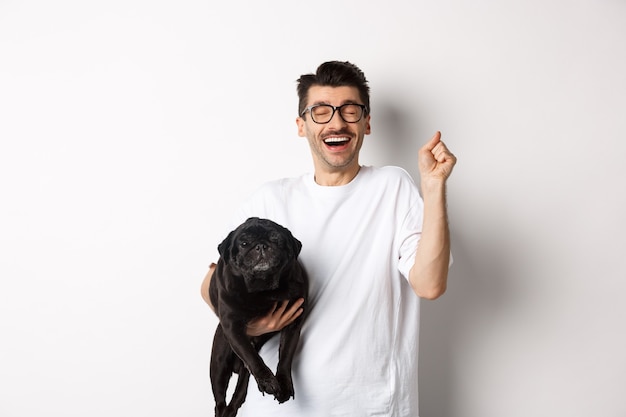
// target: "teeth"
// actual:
[[335, 140]]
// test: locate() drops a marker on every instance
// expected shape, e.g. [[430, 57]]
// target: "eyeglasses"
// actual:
[[323, 113]]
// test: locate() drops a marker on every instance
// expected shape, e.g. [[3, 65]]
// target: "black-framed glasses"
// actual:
[[323, 113]]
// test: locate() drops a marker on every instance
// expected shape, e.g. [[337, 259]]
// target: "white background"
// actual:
[[131, 129]]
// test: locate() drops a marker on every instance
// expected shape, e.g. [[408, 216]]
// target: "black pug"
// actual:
[[258, 267]]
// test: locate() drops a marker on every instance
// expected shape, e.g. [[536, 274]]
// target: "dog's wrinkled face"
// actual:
[[257, 250]]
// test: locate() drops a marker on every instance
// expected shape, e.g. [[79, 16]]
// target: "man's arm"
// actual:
[[204, 288], [429, 275]]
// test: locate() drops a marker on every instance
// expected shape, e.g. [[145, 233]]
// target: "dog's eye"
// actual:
[[243, 244]]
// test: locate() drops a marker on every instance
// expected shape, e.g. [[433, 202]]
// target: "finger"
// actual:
[[274, 311], [448, 156], [437, 149], [295, 307], [295, 315], [279, 309], [430, 145], [439, 152]]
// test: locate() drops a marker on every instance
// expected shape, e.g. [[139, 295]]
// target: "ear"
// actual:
[[296, 246], [293, 244], [224, 247], [301, 123]]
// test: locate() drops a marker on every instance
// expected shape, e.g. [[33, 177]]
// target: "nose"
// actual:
[[336, 120], [261, 247]]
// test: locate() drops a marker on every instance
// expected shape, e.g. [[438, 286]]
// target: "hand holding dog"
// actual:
[[276, 319]]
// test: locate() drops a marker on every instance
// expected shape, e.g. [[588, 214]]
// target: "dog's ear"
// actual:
[[293, 244], [224, 247], [296, 245]]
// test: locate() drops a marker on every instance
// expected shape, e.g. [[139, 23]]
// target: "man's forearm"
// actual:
[[204, 288], [429, 274]]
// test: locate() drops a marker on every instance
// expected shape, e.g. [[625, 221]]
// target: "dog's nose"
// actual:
[[261, 247]]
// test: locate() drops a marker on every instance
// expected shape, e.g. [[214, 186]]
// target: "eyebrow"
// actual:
[[327, 103]]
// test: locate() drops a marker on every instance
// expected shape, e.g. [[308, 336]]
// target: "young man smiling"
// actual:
[[372, 247], [335, 143]]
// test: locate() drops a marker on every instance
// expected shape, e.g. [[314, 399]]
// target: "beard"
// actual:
[[335, 157]]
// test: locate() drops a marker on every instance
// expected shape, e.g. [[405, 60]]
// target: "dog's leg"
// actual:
[[288, 343], [221, 368], [239, 395], [247, 352]]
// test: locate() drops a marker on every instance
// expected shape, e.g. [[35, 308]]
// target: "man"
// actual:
[[372, 247]]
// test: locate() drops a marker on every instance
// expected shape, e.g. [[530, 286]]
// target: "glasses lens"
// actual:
[[322, 113], [351, 112]]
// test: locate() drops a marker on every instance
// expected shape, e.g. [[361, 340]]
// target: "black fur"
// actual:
[[258, 267]]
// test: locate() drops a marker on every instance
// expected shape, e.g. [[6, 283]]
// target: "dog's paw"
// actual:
[[286, 390], [268, 384], [226, 411]]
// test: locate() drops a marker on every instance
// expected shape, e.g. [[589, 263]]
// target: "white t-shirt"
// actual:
[[358, 351]]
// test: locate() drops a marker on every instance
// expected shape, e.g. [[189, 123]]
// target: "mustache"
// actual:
[[340, 132]]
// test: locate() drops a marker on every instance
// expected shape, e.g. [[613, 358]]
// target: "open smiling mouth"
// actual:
[[336, 141]]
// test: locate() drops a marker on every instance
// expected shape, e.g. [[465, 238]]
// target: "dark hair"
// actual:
[[334, 74]]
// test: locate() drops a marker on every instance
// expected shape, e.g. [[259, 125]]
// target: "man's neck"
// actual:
[[337, 177]]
